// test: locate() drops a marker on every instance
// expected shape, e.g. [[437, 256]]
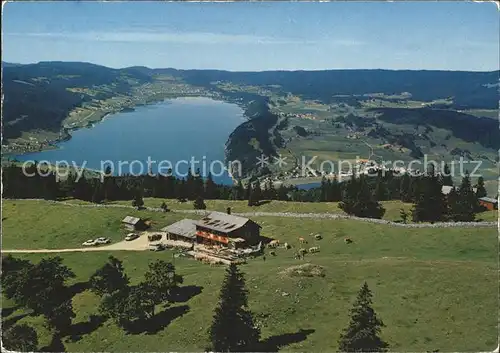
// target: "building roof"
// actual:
[[131, 220], [222, 222], [185, 228], [488, 199]]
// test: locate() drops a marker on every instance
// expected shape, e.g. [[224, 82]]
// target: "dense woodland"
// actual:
[[359, 196]]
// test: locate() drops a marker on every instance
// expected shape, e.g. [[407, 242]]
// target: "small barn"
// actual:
[[488, 203], [134, 223], [184, 230]]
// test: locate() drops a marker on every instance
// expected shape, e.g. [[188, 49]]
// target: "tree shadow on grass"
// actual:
[[184, 293], [157, 322], [76, 331], [8, 311], [13, 320], [77, 288], [274, 343]]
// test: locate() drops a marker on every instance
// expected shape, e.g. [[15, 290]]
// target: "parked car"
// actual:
[[90, 242], [156, 247], [102, 241], [131, 236]]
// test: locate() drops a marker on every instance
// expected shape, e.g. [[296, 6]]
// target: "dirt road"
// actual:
[[139, 244]]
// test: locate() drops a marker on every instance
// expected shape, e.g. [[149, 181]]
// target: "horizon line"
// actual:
[[247, 71]]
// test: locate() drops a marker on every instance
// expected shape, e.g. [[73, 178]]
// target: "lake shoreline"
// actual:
[[52, 144], [160, 132]]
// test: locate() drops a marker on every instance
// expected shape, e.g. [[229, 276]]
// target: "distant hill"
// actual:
[[36, 96], [470, 90]]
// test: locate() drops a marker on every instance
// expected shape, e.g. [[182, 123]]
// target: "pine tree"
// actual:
[[164, 206], [446, 176], [21, 338], [380, 192], [210, 188], [255, 195], [50, 187], [239, 191], [358, 199], [404, 215], [108, 182], [97, 195], [480, 189], [282, 193], [362, 334], [324, 190], [430, 203], [248, 191], [138, 201], [233, 328], [181, 190], [405, 188], [464, 204]]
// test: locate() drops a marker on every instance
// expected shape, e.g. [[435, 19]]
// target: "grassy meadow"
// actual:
[[433, 288], [392, 208]]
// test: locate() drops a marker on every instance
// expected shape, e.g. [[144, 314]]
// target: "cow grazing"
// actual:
[[314, 249], [302, 240], [347, 240]]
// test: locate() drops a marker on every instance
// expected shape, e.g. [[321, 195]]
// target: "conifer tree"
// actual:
[[363, 332], [271, 191], [233, 328], [199, 203], [97, 195], [380, 192], [239, 191], [405, 188], [324, 190], [138, 200], [430, 205], [463, 203], [21, 338], [404, 215], [446, 176], [180, 190], [282, 193], [210, 188], [50, 187], [248, 191], [358, 199], [255, 195]]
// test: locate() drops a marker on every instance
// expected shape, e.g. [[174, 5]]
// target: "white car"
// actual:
[[131, 236], [102, 241], [90, 242]]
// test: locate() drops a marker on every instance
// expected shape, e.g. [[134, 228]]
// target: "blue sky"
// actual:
[[256, 36]]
